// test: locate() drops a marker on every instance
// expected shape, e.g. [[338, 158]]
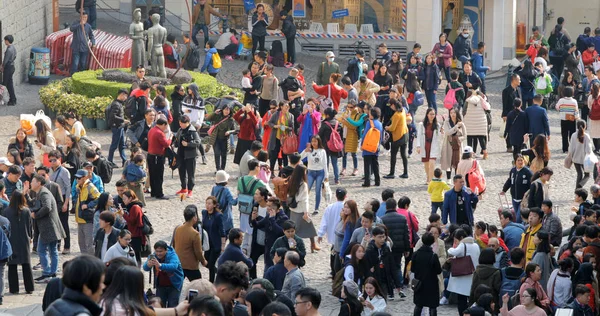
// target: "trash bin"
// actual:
[[39, 65]]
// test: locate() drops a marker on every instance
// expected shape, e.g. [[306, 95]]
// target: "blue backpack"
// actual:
[[5, 247], [509, 286]]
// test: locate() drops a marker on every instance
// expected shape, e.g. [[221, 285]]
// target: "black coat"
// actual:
[[27, 150], [73, 303], [517, 125], [176, 99], [473, 78], [272, 226], [116, 114], [289, 28], [397, 230], [518, 182], [385, 274], [99, 240], [426, 267], [20, 234], [192, 138]]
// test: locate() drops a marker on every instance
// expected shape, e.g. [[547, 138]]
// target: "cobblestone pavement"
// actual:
[[167, 214]]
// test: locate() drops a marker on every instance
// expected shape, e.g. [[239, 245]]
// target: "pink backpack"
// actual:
[[450, 98], [335, 143]]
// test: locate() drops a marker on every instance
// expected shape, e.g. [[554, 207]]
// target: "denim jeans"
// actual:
[[399, 277], [168, 295], [52, 248], [316, 176], [517, 208], [345, 160], [118, 141], [79, 61], [435, 206], [430, 96], [91, 11], [333, 159], [196, 30]]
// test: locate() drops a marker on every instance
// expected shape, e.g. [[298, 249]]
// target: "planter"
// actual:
[[101, 124], [88, 123]]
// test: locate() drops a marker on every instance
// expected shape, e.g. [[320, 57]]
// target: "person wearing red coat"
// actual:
[[589, 55], [158, 142], [133, 217], [332, 90], [247, 119]]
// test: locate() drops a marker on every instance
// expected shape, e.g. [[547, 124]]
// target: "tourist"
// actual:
[[430, 76], [260, 21], [397, 226], [269, 90], [19, 217], [399, 132], [233, 251], [557, 56], [187, 243], [209, 64], [158, 141], [395, 67], [167, 268], [486, 274], [534, 275], [106, 236], [327, 135], [213, 224], [353, 119], [542, 256], [448, 23], [367, 90], [535, 225], [187, 143], [116, 122], [276, 273], [332, 90], [350, 293], [227, 44], [509, 94], [429, 142], [455, 133], [44, 141], [71, 156], [121, 249], [133, 217], [308, 123], [247, 118], [307, 302], [426, 268], [281, 124], [519, 182], [443, 52], [461, 285], [477, 59], [371, 158], [559, 283], [272, 225], [21, 143], [222, 120], [125, 293], [294, 279]]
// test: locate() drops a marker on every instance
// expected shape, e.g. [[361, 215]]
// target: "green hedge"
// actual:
[[88, 96]]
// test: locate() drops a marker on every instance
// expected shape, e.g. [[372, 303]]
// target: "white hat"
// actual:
[[329, 54], [468, 150], [4, 161], [221, 176]]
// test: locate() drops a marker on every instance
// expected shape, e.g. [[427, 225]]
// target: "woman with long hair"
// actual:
[[281, 124], [224, 124], [542, 256], [298, 196], [466, 163], [394, 66], [269, 90], [463, 245], [559, 284], [579, 147], [316, 155], [344, 228], [530, 305], [385, 82], [444, 53], [412, 86], [428, 146], [333, 90], [528, 73], [373, 298], [567, 81], [430, 77], [121, 249], [412, 65], [14, 157], [176, 99], [21, 233], [309, 122], [374, 69], [326, 130], [533, 274], [72, 155], [569, 113], [453, 140], [61, 130], [75, 126], [399, 133], [538, 154], [106, 202], [21, 144], [353, 120], [356, 266], [212, 223], [351, 306], [573, 248], [125, 295], [45, 141], [594, 127], [133, 217], [247, 118], [475, 121]]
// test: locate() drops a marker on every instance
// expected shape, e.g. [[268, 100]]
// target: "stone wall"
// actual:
[[29, 21]]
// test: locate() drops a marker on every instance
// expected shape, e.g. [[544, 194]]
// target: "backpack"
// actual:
[[336, 284], [5, 247], [281, 187], [246, 197], [334, 143], [105, 170], [595, 111], [146, 225], [543, 84], [525, 200], [372, 139], [325, 102], [476, 179], [450, 98], [107, 115], [560, 49], [216, 61], [509, 286], [193, 58]]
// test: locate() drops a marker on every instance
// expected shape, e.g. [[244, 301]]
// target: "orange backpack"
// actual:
[[372, 139]]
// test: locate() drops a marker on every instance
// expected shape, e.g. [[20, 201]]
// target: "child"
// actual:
[[292, 90], [134, 152], [435, 219], [543, 84], [416, 51], [135, 176], [436, 189], [224, 198], [246, 79]]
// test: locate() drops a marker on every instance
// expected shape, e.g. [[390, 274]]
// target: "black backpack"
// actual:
[[147, 226], [131, 107], [559, 48], [193, 59], [105, 170]]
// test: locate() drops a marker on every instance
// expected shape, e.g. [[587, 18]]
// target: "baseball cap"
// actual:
[[393, 89], [468, 150], [4, 161], [81, 173], [329, 54], [87, 164], [339, 191]]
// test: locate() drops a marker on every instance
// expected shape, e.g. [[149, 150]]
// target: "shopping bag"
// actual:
[[28, 121]]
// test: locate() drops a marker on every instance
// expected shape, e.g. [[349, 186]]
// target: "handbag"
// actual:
[[462, 266], [289, 143], [568, 161], [212, 128], [570, 117]]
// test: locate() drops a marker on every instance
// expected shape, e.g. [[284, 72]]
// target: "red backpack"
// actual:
[[476, 179], [334, 143], [595, 111]]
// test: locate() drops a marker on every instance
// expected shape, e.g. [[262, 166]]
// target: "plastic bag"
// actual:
[[28, 121], [246, 40], [327, 192], [589, 162]]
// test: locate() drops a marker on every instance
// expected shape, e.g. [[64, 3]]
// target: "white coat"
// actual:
[[462, 284], [475, 119], [435, 142]]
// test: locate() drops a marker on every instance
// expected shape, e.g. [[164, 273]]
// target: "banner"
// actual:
[[248, 5], [299, 9]]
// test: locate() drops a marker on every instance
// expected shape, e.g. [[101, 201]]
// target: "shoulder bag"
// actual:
[[462, 266]]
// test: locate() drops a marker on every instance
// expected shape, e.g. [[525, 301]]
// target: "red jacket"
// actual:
[[247, 124], [336, 94], [157, 141], [133, 217], [588, 57], [168, 51], [141, 93]]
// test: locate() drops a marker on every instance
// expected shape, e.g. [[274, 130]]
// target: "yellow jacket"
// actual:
[[85, 195], [527, 241], [398, 127], [436, 189]]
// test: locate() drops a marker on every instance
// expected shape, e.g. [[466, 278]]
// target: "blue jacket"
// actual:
[[234, 253], [478, 67], [208, 65], [348, 230], [5, 247], [276, 274], [538, 121], [214, 228], [434, 81], [134, 173], [596, 41], [79, 43], [96, 181], [581, 310], [512, 235], [171, 265], [449, 207], [225, 200], [378, 126]]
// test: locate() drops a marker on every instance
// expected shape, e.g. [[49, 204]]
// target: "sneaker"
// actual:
[[189, 193], [315, 212], [401, 294], [390, 297], [66, 251], [404, 176], [37, 266], [40, 278], [354, 173], [409, 155], [444, 301], [231, 151], [43, 280], [343, 172], [182, 191], [162, 198], [389, 176], [228, 57]]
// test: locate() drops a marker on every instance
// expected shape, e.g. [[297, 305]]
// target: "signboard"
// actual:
[[301, 24], [337, 14], [299, 9]]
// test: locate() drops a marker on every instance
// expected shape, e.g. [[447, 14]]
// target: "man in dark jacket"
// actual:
[[459, 203], [8, 69], [580, 304], [187, 142], [355, 66], [106, 236], [509, 94], [89, 6], [45, 213], [116, 122], [102, 167], [583, 40], [233, 251], [386, 55], [83, 287], [79, 46], [517, 125], [381, 262], [462, 46], [289, 30], [538, 119], [138, 132], [397, 226]]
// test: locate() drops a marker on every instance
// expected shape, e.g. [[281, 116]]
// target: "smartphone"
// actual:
[[191, 295], [150, 257]]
